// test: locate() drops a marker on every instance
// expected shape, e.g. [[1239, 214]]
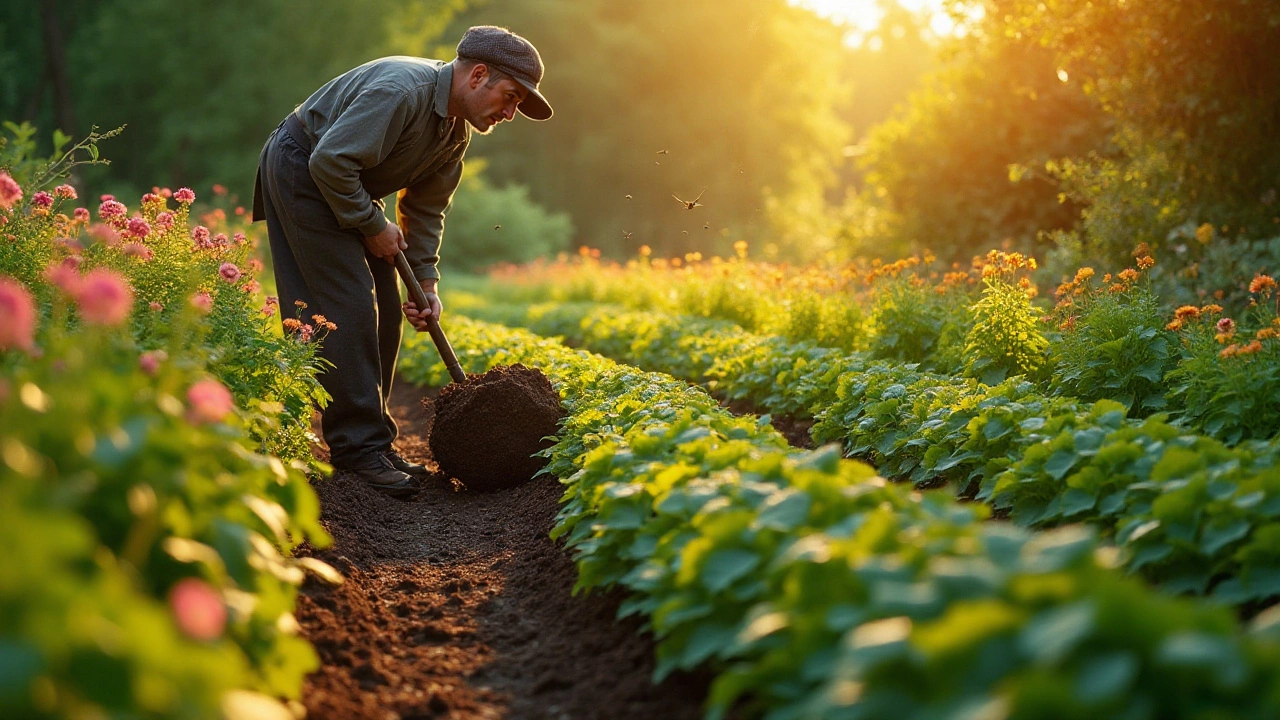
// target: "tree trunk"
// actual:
[[56, 67]]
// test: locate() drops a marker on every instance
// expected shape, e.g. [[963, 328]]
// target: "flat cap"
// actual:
[[504, 50]]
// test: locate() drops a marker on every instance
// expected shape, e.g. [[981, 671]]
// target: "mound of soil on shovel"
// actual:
[[486, 430]]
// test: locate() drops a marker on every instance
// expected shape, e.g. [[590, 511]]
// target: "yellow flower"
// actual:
[[1146, 262], [1204, 234], [1083, 274], [1211, 309], [1128, 275]]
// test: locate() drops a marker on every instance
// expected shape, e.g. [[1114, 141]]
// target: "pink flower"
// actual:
[[164, 220], [163, 192], [184, 196], [255, 265], [148, 198], [66, 192], [63, 275], [268, 309], [17, 316], [104, 297], [137, 249], [273, 300], [229, 272], [105, 198], [104, 234], [252, 286], [112, 211], [71, 244], [203, 302], [219, 189], [82, 215], [150, 361], [202, 238], [155, 306], [197, 609], [10, 191], [239, 238], [220, 240], [1226, 325], [305, 333], [138, 227], [209, 401], [42, 199]]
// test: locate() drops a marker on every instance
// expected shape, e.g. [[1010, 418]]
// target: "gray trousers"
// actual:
[[327, 267]]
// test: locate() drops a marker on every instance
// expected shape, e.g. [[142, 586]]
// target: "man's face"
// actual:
[[486, 105]]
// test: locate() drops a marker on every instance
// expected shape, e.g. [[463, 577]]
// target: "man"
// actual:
[[398, 124]]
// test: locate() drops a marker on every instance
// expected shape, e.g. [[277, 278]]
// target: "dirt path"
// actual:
[[458, 605]]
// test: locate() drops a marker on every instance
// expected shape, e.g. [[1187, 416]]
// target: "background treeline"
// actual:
[[1072, 129]]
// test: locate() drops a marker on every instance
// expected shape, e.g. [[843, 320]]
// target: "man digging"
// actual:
[[390, 125]]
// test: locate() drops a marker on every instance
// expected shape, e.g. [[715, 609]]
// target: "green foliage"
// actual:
[[1005, 338], [137, 491], [1197, 140], [489, 225], [1114, 346], [958, 167], [751, 111], [918, 323], [1226, 387], [19, 154], [813, 589]]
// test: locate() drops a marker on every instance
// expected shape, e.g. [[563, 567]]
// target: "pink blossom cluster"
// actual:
[[150, 361], [10, 191], [198, 610], [66, 192], [102, 294], [229, 272], [82, 215], [185, 196], [164, 221], [17, 316], [208, 401], [113, 211], [203, 302], [138, 227], [42, 199]]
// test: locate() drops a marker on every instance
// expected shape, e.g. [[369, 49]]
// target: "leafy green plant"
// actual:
[[813, 589], [1112, 344], [1225, 383], [1005, 339]]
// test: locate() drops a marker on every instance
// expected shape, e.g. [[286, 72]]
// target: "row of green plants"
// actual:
[[1186, 510], [154, 464], [814, 589], [1100, 337]]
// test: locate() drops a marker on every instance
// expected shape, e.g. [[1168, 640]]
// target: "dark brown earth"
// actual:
[[484, 432], [795, 430], [458, 605]]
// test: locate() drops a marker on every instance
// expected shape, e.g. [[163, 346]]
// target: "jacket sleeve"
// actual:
[[361, 137], [420, 209]]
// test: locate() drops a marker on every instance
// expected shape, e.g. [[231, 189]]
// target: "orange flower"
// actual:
[[292, 324], [1146, 262], [1266, 333], [1264, 284], [1128, 275], [1229, 351], [1142, 249], [1187, 311], [1251, 348], [1175, 325], [1083, 274], [1204, 234], [1211, 309]]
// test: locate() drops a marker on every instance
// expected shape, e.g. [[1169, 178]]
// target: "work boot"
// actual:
[[412, 469], [381, 475]]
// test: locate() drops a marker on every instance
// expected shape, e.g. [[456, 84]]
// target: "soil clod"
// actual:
[[485, 431]]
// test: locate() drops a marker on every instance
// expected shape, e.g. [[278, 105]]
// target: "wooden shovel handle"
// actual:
[[433, 326]]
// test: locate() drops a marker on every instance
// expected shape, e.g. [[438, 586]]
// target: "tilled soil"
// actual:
[[485, 431], [458, 605]]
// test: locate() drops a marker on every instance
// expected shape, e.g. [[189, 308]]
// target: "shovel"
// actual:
[[433, 326]]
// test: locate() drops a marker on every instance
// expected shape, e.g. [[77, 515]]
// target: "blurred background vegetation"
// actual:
[[1070, 129]]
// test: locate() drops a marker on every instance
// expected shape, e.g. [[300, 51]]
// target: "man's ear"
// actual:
[[478, 75]]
